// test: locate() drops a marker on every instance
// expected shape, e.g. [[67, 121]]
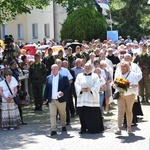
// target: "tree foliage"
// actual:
[[9, 9], [85, 23], [72, 5], [130, 17]]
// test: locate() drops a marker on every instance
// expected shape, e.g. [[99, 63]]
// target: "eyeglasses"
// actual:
[[123, 52], [8, 74]]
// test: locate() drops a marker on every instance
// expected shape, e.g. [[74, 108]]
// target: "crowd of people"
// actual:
[[80, 82]]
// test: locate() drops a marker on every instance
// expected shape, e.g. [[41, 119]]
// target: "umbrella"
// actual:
[[32, 49], [74, 45], [55, 50], [2, 43], [43, 47]]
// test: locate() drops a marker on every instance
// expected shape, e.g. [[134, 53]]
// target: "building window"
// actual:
[[20, 31], [35, 31], [46, 30], [4, 30]]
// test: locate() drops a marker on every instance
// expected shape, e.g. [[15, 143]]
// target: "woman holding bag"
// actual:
[[127, 97], [10, 114]]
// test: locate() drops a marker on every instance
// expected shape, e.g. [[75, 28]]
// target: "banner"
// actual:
[[113, 35], [103, 4]]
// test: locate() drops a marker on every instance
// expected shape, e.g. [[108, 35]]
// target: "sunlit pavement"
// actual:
[[34, 136]]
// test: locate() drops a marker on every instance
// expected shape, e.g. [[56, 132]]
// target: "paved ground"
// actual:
[[34, 135]]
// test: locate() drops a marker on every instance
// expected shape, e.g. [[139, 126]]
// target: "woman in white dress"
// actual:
[[10, 114]]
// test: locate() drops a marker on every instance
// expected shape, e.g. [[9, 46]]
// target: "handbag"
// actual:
[[22, 93], [16, 98], [116, 95]]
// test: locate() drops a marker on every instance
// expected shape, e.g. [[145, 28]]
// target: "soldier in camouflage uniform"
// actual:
[[37, 77], [70, 58], [78, 53], [49, 61], [143, 61], [84, 53], [60, 55]]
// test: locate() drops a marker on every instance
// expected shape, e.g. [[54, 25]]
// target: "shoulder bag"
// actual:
[[16, 98]]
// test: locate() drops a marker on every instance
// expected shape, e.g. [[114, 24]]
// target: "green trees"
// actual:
[[85, 23], [131, 17], [9, 9]]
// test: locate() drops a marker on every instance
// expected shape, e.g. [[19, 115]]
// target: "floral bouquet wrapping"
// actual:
[[122, 83]]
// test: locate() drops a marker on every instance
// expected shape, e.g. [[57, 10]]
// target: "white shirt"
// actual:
[[133, 79], [13, 83], [133, 67], [65, 72], [55, 86]]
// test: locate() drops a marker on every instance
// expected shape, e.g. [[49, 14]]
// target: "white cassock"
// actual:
[[89, 99]]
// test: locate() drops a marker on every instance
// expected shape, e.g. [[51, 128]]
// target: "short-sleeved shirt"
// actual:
[[133, 79], [13, 83], [65, 72]]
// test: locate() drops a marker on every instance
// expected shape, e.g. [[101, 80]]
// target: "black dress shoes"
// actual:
[[23, 123], [82, 132], [72, 116], [68, 123], [64, 129], [53, 133]]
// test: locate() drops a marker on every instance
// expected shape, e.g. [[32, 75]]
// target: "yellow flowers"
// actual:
[[122, 83]]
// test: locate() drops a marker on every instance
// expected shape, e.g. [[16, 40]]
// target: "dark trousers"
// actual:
[[20, 112], [69, 107], [144, 87], [37, 92], [75, 97]]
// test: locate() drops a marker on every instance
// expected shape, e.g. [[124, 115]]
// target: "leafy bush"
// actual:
[[84, 24]]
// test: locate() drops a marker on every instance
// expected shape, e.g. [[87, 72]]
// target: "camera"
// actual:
[[8, 40]]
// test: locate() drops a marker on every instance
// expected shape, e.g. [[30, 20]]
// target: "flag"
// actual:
[[103, 4]]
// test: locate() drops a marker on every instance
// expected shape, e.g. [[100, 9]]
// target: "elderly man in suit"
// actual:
[[56, 90]]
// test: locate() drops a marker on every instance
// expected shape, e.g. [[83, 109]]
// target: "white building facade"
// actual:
[[37, 25]]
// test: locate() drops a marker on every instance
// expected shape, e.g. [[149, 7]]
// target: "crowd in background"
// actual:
[[103, 57]]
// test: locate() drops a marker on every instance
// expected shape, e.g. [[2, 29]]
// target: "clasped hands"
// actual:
[[86, 89], [9, 99]]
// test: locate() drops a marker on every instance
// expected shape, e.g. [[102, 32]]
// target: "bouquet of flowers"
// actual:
[[122, 83]]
